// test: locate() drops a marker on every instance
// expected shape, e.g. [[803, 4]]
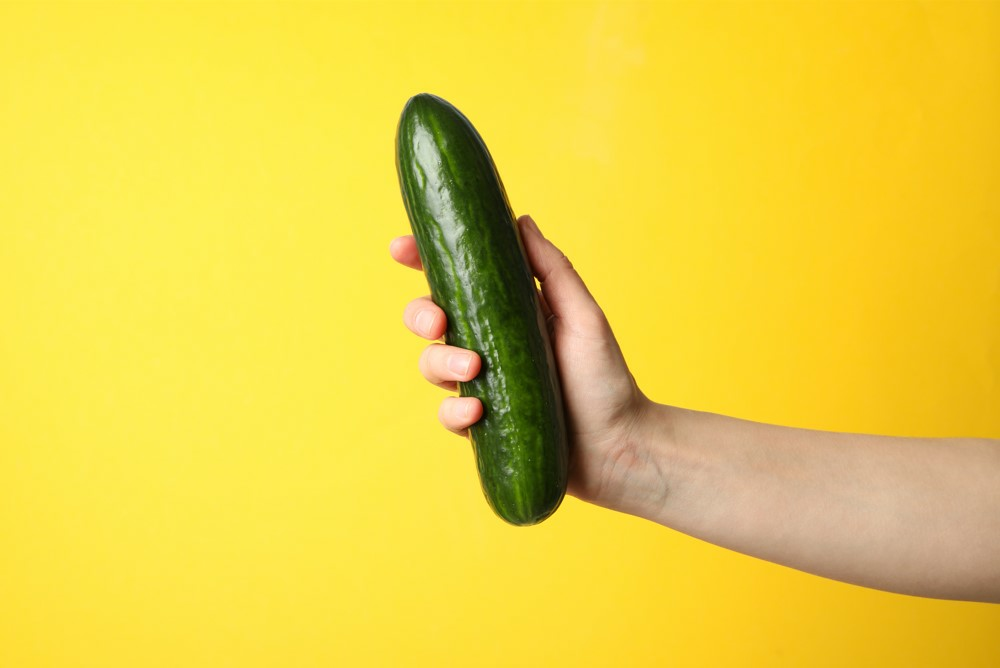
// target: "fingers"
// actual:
[[445, 366], [457, 414], [404, 251], [543, 255], [425, 318], [564, 292]]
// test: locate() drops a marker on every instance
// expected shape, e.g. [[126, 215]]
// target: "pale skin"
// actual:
[[917, 516]]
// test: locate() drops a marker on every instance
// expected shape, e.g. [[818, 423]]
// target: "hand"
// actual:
[[917, 516], [604, 407]]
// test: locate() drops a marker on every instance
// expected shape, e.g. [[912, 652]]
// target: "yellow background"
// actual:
[[215, 448]]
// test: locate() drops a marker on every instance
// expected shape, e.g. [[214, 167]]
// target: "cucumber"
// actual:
[[479, 274]]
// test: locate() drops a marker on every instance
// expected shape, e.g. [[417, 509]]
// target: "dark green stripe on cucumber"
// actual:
[[479, 274]]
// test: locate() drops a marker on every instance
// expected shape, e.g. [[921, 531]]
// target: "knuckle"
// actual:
[[426, 360], [409, 314], [445, 412]]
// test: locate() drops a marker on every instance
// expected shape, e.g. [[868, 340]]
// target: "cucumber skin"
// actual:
[[479, 275]]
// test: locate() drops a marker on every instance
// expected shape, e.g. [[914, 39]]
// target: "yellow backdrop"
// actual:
[[215, 448]]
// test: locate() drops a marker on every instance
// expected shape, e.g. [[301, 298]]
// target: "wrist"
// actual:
[[639, 466]]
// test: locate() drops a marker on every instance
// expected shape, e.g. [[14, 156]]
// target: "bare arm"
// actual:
[[909, 515], [916, 516]]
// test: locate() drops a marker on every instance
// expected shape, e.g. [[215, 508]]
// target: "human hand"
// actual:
[[605, 410]]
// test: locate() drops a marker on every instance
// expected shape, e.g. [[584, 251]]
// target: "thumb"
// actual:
[[564, 291]]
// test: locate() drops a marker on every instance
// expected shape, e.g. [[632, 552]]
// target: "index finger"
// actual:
[[404, 251]]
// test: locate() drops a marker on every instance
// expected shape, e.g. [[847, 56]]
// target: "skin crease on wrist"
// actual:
[[915, 516]]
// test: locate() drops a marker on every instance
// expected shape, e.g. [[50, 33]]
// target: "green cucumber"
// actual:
[[479, 275]]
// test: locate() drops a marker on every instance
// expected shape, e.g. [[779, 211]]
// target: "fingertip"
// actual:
[[424, 323], [462, 364], [527, 224], [475, 410], [475, 366], [404, 251], [395, 246], [425, 318], [457, 414], [435, 321]]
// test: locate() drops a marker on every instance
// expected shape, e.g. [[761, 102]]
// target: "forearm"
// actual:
[[917, 516]]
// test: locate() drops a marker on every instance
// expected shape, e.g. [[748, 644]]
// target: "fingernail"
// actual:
[[459, 364], [465, 408], [424, 320], [530, 222]]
